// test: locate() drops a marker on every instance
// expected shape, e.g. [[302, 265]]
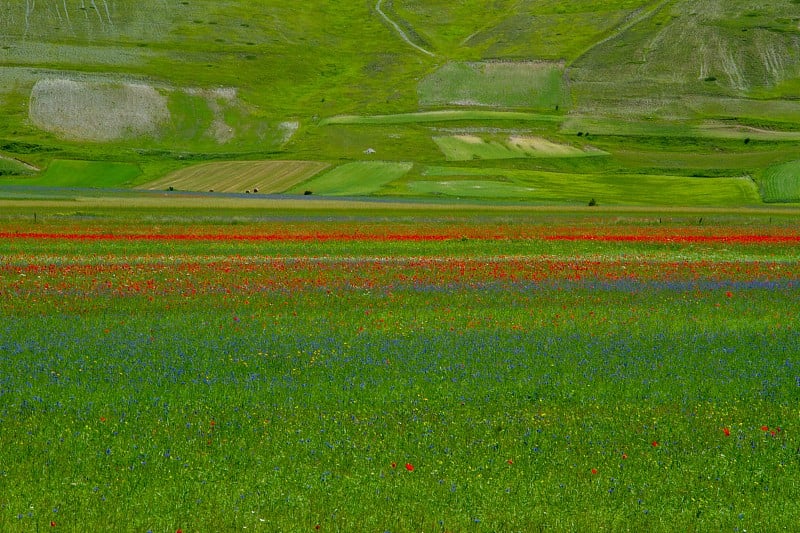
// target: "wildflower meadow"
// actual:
[[442, 372]]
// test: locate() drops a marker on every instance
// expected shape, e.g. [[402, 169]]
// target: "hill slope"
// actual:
[[163, 83]]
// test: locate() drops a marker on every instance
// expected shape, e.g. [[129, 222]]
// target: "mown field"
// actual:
[[398, 370], [239, 176]]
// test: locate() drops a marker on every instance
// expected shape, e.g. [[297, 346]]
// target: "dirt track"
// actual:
[[400, 31]]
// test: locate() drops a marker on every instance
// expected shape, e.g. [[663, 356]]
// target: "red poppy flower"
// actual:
[[510, 461], [624, 455], [764, 428], [594, 471], [729, 294], [409, 467], [727, 432], [52, 524], [655, 443]]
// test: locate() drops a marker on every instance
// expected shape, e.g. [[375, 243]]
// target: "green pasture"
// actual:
[[92, 174], [354, 179], [469, 147], [781, 183], [782, 113], [444, 116], [612, 189], [728, 161], [353, 142], [510, 30], [496, 84]]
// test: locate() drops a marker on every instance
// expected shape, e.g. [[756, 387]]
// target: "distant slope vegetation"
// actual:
[[688, 50], [584, 90], [218, 76]]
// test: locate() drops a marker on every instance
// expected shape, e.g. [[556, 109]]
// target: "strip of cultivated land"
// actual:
[[239, 176]]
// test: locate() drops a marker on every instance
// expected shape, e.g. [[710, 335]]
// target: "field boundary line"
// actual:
[[399, 30]]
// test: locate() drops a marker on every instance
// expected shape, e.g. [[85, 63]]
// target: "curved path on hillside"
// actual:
[[640, 16], [399, 30]]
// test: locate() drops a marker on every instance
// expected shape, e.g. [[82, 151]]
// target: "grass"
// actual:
[[12, 167], [751, 52], [267, 177], [354, 179], [93, 174], [472, 189], [781, 183], [443, 116], [233, 75], [214, 385], [513, 30], [503, 85], [469, 147], [613, 189]]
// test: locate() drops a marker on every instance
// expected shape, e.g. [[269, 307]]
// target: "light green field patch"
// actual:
[[585, 125], [606, 189], [472, 189], [239, 176], [443, 116], [468, 147], [536, 85], [719, 130], [709, 129], [353, 179], [94, 174], [781, 183], [772, 110]]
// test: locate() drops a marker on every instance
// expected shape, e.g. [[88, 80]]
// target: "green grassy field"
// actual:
[[508, 85], [354, 179], [468, 147], [65, 173], [573, 188], [781, 183]]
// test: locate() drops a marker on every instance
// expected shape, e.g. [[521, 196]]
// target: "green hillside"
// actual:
[[690, 89]]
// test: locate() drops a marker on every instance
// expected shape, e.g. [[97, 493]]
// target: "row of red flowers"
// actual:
[[321, 236]]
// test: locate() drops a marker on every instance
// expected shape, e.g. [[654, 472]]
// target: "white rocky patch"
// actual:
[[97, 111], [288, 128]]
